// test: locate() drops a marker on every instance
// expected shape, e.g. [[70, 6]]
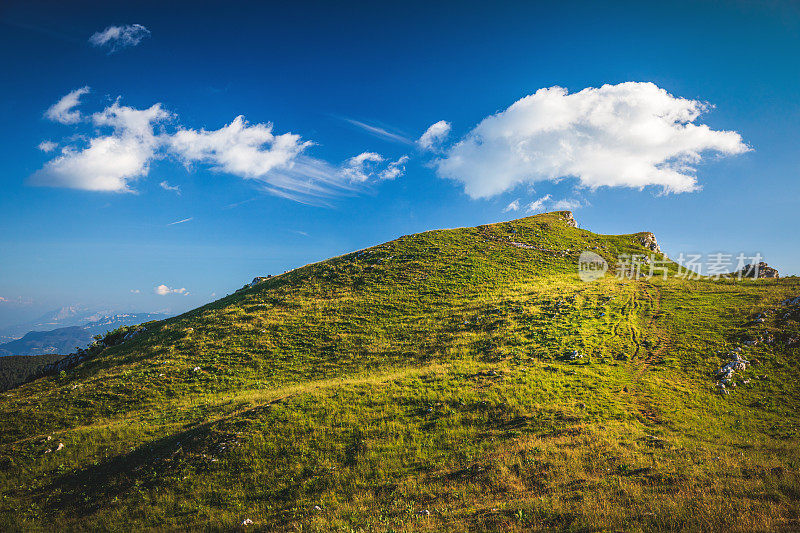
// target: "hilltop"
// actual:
[[453, 380]]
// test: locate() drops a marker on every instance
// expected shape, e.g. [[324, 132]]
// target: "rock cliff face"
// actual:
[[761, 270], [567, 215], [648, 240]]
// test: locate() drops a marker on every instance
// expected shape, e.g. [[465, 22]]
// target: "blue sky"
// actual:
[[348, 79]]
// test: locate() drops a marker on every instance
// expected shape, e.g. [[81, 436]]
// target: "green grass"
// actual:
[[420, 385]]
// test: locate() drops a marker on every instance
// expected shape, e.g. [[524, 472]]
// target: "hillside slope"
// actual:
[[16, 369], [66, 339], [451, 380]]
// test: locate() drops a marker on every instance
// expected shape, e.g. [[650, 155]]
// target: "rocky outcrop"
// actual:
[[648, 240], [257, 280], [756, 271], [725, 374], [568, 218]]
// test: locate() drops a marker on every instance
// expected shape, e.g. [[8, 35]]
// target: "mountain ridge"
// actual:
[[455, 380], [66, 339]]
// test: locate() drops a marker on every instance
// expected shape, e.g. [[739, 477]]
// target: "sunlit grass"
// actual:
[[424, 385]]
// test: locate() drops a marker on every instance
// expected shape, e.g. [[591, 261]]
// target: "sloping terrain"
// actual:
[[67, 339], [454, 380], [16, 369]]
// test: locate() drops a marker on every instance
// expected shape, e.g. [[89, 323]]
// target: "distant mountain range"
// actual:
[[71, 315], [64, 340]]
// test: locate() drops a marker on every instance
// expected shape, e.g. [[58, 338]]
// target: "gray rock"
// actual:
[[648, 240]]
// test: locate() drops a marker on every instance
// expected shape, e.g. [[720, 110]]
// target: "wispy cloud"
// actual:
[[47, 146], [118, 37], [546, 203], [278, 163], [513, 206], [566, 204], [537, 206], [237, 204], [394, 169], [64, 110], [167, 187], [180, 221], [379, 131]]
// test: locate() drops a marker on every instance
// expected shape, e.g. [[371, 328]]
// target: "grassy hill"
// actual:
[[454, 380]]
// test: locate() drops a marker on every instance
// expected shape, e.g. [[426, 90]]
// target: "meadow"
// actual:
[[454, 380]]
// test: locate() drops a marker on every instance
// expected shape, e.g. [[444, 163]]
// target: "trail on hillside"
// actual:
[[644, 356]]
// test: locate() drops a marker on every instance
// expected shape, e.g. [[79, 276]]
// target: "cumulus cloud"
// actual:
[[513, 206], [163, 290], [117, 37], [109, 162], [434, 135], [359, 168], [64, 110], [167, 187], [47, 146], [627, 135], [126, 143], [245, 150]]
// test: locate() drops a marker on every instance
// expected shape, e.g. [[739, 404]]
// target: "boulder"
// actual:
[[648, 240], [568, 218], [756, 271]]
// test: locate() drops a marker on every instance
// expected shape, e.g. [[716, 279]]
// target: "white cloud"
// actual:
[[135, 291], [366, 166], [64, 110], [513, 206], [113, 159], [565, 205], [537, 206], [434, 135], [359, 168], [47, 146], [546, 203], [118, 37], [378, 131], [167, 187], [394, 169], [163, 290], [109, 162], [238, 148], [627, 135], [180, 221]]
